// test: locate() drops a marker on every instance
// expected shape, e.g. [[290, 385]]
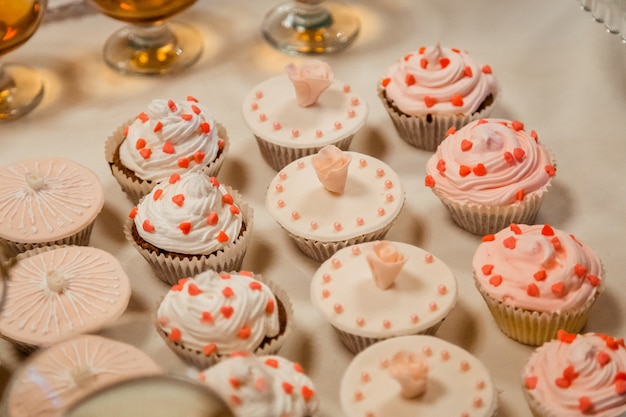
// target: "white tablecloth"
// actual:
[[560, 74]]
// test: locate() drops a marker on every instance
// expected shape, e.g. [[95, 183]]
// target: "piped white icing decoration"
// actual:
[[411, 372], [309, 80], [386, 262], [331, 166]]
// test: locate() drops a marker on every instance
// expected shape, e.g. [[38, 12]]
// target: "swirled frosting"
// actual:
[[170, 137], [62, 292], [263, 386], [191, 214], [219, 313], [61, 375], [578, 375], [537, 268], [47, 199], [438, 80], [490, 162]]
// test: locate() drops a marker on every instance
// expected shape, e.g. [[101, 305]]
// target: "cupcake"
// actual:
[[189, 224], [48, 201], [206, 318], [537, 280], [268, 386], [417, 376], [57, 377], [333, 199], [56, 293], [378, 290], [577, 375], [301, 111], [170, 137], [491, 173], [428, 91]]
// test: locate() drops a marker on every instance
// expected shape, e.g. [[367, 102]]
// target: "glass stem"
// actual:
[[6, 82], [309, 15], [150, 36]]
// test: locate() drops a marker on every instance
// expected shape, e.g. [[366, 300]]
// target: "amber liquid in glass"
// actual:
[[19, 20], [141, 11]]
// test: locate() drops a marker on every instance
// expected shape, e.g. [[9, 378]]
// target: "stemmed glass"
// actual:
[[21, 87], [311, 26], [150, 45]]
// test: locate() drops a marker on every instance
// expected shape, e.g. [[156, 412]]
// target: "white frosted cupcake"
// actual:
[[58, 292], [378, 290], [58, 377], [577, 375], [301, 111], [333, 199], [208, 317], [170, 137], [430, 90], [189, 224], [48, 201], [262, 386], [537, 280], [419, 375], [491, 173]]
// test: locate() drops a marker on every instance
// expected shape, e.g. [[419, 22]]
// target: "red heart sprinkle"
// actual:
[[178, 199], [441, 166], [272, 363], [147, 226], [556, 243], [429, 181], [145, 153], [255, 286], [407, 56], [212, 218], [228, 292], [226, 311], [580, 270], [515, 229], [193, 290], [444, 62], [298, 368], [519, 154], [534, 135], [508, 157], [421, 50], [603, 358], [620, 387], [409, 79], [386, 82], [141, 143], [594, 280], [451, 130], [174, 335], [430, 101], [423, 63], [487, 269], [195, 109], [244, 333], [488, 238], [209, 349], [457, 100], [584, 404], [234, 209], [570, 373], [517, 125], [558, 288], [540, 275], [227, 199], [133, 212], [510, 242], [222, 237], [287, 387], [565, 337], [205, 127], [464, 170], [547, 230], [563, 382], [532, 290], [269, 307], [174, 178], [467, 71], [307, 393], [466, 145], [168, 148], [183, 163], [171, 105], [157, 194], [198, 157], [185, 227], [496, 280], [550, 170], [486, 69], [157, 127], [207, 317], [530, 382], [479, 170]]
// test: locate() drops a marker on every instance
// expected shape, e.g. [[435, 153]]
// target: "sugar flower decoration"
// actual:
[[310, 80], [385, 262], [331, 166], [411, 372]]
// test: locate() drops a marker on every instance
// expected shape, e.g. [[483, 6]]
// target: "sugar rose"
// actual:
[[310, 80], [331, 166], [385, 262]]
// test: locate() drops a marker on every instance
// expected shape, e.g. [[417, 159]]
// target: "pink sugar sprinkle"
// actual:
[[355, 101], [258, 94], [380, 172], [338, 125], [319, 133], [360, 221], [262, 117], [381, 211]]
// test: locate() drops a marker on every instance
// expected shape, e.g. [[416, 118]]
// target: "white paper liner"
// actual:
[[135, 189], [278, 156], [81, 238], [320, 251], [533, 327], [355, 343], [421, 133], [201, 361], [171, 268]]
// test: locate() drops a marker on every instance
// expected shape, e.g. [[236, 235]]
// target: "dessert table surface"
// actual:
[[559, 73]]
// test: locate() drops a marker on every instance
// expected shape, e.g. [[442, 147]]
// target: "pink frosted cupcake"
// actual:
[[170, 137], [428, 91], [58, 292], [48, 201], [189, 224], [60, 376], [284, 390], [577, 375], [491, 173], [206, 318], [297, 113], [537, 280]]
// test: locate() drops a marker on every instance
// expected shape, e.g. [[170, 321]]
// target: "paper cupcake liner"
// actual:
[[171, 268], [320, 250], [278, 156], [355, 343], [427, 132], [202, 361], [533, 327], [136, 188], [81, 238]]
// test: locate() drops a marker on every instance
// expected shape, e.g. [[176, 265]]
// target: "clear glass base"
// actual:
[[21, 90], [153, 49], [311, 27]]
